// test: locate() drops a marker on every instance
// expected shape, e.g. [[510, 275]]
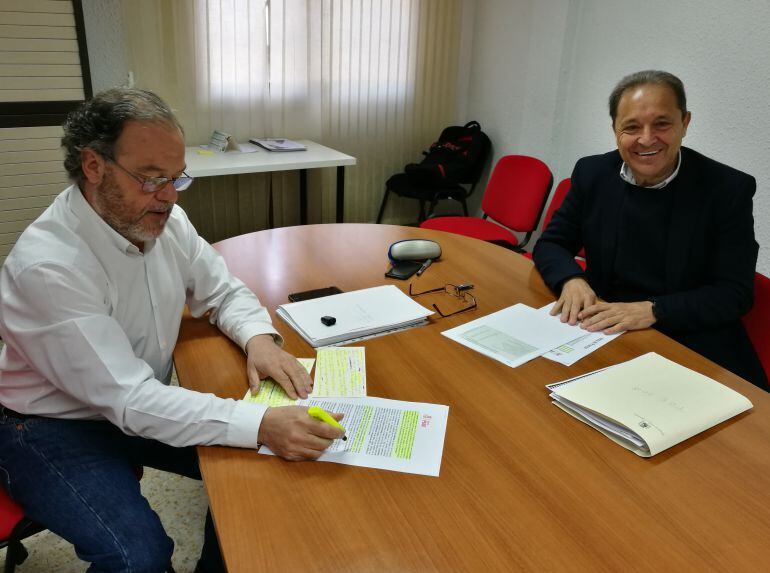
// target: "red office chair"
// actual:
[[558, 198], [757, 321], [15, 527], [515, 197]]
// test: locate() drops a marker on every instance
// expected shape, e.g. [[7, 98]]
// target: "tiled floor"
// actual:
[[181, 504]]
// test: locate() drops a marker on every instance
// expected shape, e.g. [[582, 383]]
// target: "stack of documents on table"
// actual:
[[357, 314], [275, 144], [648, 404]]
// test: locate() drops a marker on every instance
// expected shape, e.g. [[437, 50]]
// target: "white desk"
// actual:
[[263, 161]]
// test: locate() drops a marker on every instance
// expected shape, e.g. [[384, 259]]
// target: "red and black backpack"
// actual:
[[454, 158]]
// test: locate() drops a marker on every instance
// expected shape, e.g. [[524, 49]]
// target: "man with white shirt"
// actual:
[[668, 233], [91, 298]]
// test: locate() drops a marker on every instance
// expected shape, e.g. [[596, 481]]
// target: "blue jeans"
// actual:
[[77, 478]]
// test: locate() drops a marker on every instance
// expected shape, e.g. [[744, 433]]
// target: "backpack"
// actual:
[[457, 157]]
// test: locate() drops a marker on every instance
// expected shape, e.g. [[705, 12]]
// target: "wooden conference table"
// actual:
[[263, 161], [523, 486]]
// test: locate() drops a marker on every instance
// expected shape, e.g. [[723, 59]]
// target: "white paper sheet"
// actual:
[[514, 335], [580, 347], [386, 434]]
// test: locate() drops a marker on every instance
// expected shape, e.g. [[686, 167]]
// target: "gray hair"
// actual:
[[648, 77], [99, 122]]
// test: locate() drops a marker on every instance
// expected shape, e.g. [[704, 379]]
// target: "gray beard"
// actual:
[[108, 202]]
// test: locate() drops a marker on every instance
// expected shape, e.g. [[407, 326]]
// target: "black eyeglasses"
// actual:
[[460, 291], [155, 184]]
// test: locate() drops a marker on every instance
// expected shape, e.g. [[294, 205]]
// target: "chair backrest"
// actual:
[[757, 321], [558, 197], [517, 191]]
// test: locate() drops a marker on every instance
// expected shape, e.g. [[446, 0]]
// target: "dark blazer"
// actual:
[[711, 253]]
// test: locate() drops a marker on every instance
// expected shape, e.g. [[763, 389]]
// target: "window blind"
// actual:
[[43, 75]]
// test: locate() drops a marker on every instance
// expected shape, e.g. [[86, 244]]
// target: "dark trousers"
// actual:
[[77, 479]]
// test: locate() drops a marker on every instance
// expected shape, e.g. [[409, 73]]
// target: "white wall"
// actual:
[[541, 72], [106, 46]]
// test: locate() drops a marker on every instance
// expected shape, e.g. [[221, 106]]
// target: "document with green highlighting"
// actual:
[[270, 392], [514, 335], [386, 434]]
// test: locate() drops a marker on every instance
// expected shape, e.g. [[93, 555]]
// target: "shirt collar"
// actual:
[[98, 227], [628, 177]]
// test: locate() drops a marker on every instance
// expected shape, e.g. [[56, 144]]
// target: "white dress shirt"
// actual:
[[90, 323], [628, 176]]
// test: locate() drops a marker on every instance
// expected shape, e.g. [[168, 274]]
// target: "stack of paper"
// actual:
[[273, 144], [648, 404], [356, 314]]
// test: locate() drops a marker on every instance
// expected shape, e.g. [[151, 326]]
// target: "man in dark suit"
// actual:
[[668, 233]]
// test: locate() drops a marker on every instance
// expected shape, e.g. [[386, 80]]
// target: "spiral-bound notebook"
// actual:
[[648, 404]]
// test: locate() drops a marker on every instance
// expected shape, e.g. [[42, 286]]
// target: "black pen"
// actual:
[[424, 266]]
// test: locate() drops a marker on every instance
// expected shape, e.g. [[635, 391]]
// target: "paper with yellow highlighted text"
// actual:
[[339, 373], [270, 392], [386, 434]]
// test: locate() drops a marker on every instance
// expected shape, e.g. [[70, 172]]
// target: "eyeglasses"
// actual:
[[460, 291], [155, 184]]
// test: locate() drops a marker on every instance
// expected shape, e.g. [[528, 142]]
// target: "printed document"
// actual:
[[340, 372], [580, 347], [271, 393], [514, 335], [386, 434], [357, 313], [648, 404]]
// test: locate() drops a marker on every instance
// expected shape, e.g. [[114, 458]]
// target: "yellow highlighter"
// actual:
[[323, 416]]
